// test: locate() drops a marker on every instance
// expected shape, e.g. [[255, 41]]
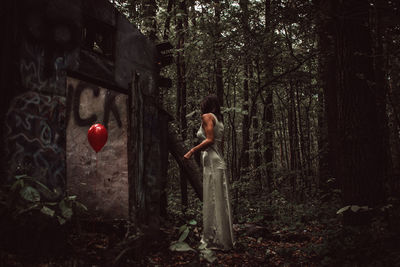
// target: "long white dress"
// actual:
[[217, 213]]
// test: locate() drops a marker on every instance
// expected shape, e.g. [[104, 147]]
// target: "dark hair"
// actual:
[[210, 104]]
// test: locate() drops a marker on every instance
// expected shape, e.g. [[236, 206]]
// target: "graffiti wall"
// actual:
[[100, 180], [45, 113], [35, 138]]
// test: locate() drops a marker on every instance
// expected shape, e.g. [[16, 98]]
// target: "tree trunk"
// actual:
[[163, 122], [150, 22], [244, 155], [381, 85], [362, 154], [327, 119], [293, 140], [255, 126], [268, 115], [218, 59], [181, 88], [190, 168], [394, 100], [168, 20]]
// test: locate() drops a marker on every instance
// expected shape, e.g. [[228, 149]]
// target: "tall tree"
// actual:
[[327, 96], [150, 22], [244, 155], [181, 27], [168, 20], [217, 48], [361, 149], [268, 115]]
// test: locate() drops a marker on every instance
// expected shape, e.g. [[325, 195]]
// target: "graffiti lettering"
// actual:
[[74, 93], [109, 104], [33, 67], [106, 191], [92, 119], [36, 138]]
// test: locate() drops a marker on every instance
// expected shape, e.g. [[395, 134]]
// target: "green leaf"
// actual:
[[182, 228], [355, 208], [20, 176], [190, 114], [71, 197], [203, 246], [209, 255], [19, 183], [193, 222], [180, 246], [342, 210], [30, 194], [50, 203], [43, 186], [47, 211], [81, 206], [330, 180], [66, 210], [61, 220], [34, 206], [184, 235]]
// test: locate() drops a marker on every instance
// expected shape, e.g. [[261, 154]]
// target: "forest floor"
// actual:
[[99, 244], [272, 232], [255, 246]]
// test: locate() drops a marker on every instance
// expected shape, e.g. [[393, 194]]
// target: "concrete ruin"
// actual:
[[67, 64]]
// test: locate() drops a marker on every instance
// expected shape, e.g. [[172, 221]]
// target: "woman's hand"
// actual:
[[188, 154]]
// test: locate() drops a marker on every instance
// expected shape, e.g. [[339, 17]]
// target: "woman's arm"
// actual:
[[208, 125]]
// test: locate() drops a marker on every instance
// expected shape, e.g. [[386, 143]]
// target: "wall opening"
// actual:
[[100, 180]]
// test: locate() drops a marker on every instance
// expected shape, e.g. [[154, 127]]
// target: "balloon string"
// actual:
[[96, 178], [95, 193]]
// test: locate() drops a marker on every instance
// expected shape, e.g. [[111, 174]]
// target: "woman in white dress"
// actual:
[[217, 214]]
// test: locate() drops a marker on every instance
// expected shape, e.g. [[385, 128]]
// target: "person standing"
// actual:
[[217, 213]]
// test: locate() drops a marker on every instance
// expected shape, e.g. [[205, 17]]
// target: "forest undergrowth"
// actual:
[[270, 230]]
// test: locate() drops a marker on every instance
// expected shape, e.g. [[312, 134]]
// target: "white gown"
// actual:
[[217, 213]]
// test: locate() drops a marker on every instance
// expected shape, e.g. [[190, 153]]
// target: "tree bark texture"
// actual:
[[181, 88], [218, 60], [144, 154], [327, 99], [150, 22], [244, 155], [362, 155], [192, 171], [268, 108]]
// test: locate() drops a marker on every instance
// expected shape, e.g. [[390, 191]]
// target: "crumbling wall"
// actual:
[[99, 179], [73, 66], [34, 126]]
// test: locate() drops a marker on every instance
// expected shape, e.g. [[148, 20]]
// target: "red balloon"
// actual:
[[97, 136]]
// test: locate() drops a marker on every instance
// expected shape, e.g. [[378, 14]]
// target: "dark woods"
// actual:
[[309, 91], [310, 100]]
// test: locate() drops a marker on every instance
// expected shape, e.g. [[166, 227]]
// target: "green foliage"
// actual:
[[183, 232], [22, 200], [353, 208], [180, 246]]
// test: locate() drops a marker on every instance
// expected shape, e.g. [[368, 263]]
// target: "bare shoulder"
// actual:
[[208, 117]]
